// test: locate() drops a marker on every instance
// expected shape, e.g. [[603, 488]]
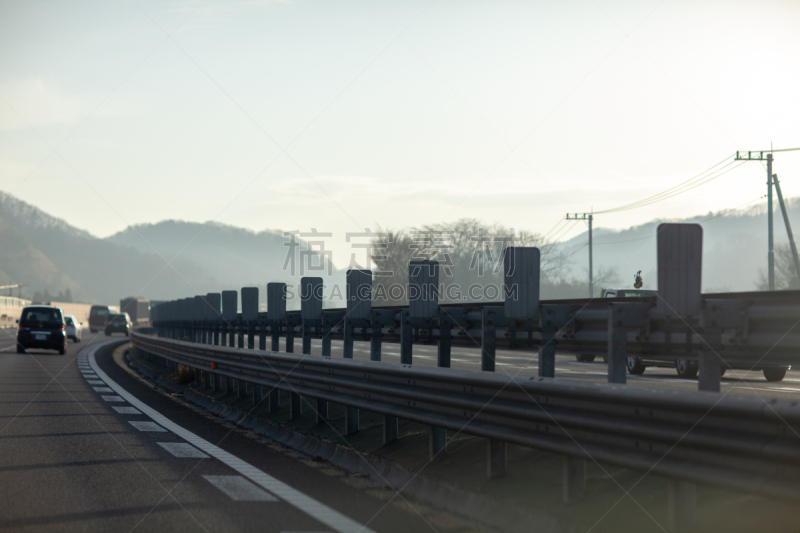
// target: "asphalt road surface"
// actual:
[[85, 446], [526, 363]]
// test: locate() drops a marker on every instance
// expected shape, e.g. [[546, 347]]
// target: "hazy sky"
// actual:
[[343, 115]]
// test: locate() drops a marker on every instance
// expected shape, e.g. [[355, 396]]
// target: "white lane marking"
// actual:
[[102, 389], [113, 398], [146, 426], [95, 382], [239, 489], [319, 511], [782, 389], [126, 410], [181, 449]]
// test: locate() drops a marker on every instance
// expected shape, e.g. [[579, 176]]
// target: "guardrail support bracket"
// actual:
[[294, 406], [389, 429], [437, 443], [350, 420], [321, 414]]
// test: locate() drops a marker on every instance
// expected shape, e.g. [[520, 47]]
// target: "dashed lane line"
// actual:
[[182, 450], [146, 426], [317, 510], [239, 489], [113, 398], [123, 410]]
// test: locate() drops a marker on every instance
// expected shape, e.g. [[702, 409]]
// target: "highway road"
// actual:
[[86, 446], [525, 363]]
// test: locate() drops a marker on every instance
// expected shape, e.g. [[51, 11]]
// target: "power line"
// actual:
[[721, 213], [559, 223], [697, 181], [702, 174], [781, 150], [567, 229]]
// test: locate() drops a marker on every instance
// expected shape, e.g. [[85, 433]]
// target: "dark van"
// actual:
[[119, 323], [42, 326]]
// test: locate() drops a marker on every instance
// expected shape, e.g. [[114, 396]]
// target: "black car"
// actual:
[[42, 326], [120, 323]]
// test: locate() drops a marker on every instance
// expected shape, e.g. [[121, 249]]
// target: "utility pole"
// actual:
[[588, 218], [759, 156], [785, 213]]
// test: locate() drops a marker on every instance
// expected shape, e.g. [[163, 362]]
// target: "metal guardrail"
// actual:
[[742, 443], [735, 442], [745, 329]]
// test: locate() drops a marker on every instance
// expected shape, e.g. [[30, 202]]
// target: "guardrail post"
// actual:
[[273, 399], [423, 303], [311, 315], [276, 312], [290, 324], [241, 388], [207, 379], [217, 384], [437, 443], [520, 302], [717, 316], [198, 377], [406, 341], [294, 406], [326, 336], [547, 351], [230, 301], [617, 344], [376, 334], [389, 429], [228, 384], [710, 368], [681, 501], [197, 309], [213, 302], [262, 333], [250, 314], [488, 339], [359, 305], [445, 338], [423, 309], [256, 394], [378, 318], [573, 484], [359, 311]]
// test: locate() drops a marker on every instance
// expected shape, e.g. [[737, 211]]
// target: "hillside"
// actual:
[[44, 252], [236, 257], [734, 248]]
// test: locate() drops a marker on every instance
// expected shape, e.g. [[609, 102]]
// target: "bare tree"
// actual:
[[785, 273], [470, 253]]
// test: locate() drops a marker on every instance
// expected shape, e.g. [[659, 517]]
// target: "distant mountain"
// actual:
[[734, 248], [236, 257], [45, 253], [174, 259]]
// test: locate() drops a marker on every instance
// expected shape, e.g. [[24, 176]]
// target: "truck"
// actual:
[[138, 309]]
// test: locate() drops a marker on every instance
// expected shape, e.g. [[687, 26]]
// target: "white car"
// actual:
[[74, 329]]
